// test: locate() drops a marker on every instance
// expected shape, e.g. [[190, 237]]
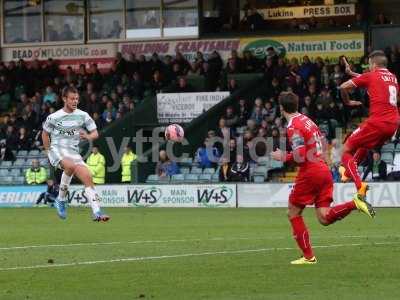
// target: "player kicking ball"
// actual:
[[314, 183], [383, 119], [62, 132]]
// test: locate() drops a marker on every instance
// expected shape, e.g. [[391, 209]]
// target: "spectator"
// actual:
[[207, 155], [67, 34], [255, 20], [223, 131], [335, 153], [224, 170], [24, 142], [109, 111], [126, 163], [116, 30], [243, 112], [50, 195], [231, 119], [49, 96], [232, 150], [36, 174], [240, 170], [381, 19], [97, 166], [5, 152], [165, 167], [377, 167]]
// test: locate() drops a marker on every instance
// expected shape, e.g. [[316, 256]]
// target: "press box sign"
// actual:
[[182, 195]]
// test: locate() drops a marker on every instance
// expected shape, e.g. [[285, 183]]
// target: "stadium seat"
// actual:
[[4, 172], [209, 171], [387, 148], [276, 164], [205, 177], [19, 180], [15, 172], [6, 164], [28, 162], [177, 178], [185, 170], [263, 161], [22, 153], [6, 180], [196, 170], [44, 162], [164, 180], [260, 170], [34, 153], [387, 157], [20, 162], [186, 162], [191, 178], [152, 179], [215, 177], [258, 178]]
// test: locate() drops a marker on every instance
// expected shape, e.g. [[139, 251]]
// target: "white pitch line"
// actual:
[[144, 258], [182, 241]]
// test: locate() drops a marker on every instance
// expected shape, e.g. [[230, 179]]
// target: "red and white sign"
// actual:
[[67, 55], [187, 47]]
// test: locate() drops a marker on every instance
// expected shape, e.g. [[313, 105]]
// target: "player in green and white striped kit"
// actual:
[[62, 132]]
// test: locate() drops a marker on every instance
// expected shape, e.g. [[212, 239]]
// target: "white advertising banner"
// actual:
[[382, 194], [184, 107], [214, 195], [302, 12], [188, 48], [67, 55]]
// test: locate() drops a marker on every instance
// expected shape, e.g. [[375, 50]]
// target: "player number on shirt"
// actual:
[[393, 95], [318, 142]]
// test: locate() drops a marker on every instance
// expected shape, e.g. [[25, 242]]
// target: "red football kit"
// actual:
[[383, 119], [314, 183]]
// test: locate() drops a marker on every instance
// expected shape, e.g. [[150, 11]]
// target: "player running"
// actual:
[[383, 119], [314, 183], [62, 132]]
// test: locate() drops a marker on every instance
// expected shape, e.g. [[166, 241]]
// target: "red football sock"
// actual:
[[351, 167], [340, 211], [300, 234], [360, 155]]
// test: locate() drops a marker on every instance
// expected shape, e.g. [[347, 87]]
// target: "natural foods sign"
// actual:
[[326, 46]]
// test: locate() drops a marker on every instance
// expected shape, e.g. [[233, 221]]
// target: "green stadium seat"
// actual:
[[19, 162], [263, 161], [259, 178], [15, 172], [388, 148], [177, 178], [22, 153], [387, 157], [152, 179], [191, 178], [185, 170], [209, 171], [196, 170], [276, 164], [187, 162], [6, 164], [260, 170], [215, 177], [4, 172], [205, 177]]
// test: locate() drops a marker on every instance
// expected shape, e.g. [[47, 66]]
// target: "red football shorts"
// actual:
[[371, 134], [313, 186]]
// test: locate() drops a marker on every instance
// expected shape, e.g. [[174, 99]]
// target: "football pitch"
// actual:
[[219, 254]]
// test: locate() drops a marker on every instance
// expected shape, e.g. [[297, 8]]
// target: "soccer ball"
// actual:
[[174, 132]]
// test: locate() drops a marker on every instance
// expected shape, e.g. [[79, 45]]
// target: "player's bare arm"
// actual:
[[46, 140], [91, 136], [345, 89], [348, 69], [278, 155]]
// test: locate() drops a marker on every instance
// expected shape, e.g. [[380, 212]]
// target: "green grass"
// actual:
[[365, 264]]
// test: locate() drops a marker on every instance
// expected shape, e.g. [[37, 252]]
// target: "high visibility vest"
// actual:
[[37, 176], [126, 162], [97, 166]]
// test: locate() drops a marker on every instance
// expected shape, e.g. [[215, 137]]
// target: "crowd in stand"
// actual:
[[33, 88]]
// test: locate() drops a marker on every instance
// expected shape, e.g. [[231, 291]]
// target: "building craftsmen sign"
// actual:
[[301, 12]]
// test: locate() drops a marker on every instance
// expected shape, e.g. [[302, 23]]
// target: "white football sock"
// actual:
[[92, 197], [64, 185]]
